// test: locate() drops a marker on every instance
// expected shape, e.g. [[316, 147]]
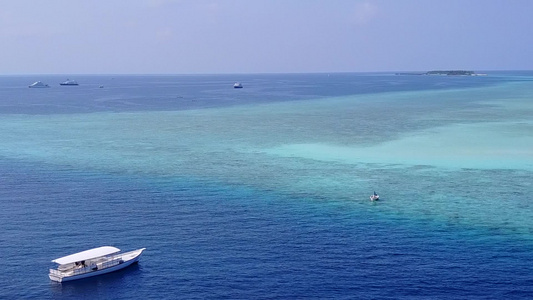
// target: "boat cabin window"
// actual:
[[66, 267]]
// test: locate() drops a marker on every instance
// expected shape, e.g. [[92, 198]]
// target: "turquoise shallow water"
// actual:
[[453, 165]]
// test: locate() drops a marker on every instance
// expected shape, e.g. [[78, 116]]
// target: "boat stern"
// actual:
[[54, 276]]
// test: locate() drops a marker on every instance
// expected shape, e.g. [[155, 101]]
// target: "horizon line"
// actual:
[[264, 73]]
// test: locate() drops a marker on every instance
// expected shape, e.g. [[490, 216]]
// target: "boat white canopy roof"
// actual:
[[86, 255]]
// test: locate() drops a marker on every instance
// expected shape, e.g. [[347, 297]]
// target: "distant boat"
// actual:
[[69, 82], [38, 84], [237, 85], [92, 262], [374, 197]]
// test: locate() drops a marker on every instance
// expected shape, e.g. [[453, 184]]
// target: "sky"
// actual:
[[263, 36]]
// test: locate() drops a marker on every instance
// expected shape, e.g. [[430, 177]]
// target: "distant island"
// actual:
[[446, 73]]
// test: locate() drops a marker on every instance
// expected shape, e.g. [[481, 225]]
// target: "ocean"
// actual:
[[263, 192]]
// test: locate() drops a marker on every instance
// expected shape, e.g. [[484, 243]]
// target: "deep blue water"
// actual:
[[217, 234], [166, 92]]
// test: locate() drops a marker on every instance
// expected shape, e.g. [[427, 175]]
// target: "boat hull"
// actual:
[[129, 258]]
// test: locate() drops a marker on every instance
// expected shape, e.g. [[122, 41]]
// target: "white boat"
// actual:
[[69, 82], [374, 197], [38, 84], [92, 262], [237, 85]]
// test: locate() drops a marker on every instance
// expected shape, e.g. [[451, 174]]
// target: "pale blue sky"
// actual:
[[263, 36]]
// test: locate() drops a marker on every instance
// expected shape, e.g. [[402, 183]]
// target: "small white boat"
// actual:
[[69, 82], [237, 85], [38, 84], [374, 197], [92, 262]]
